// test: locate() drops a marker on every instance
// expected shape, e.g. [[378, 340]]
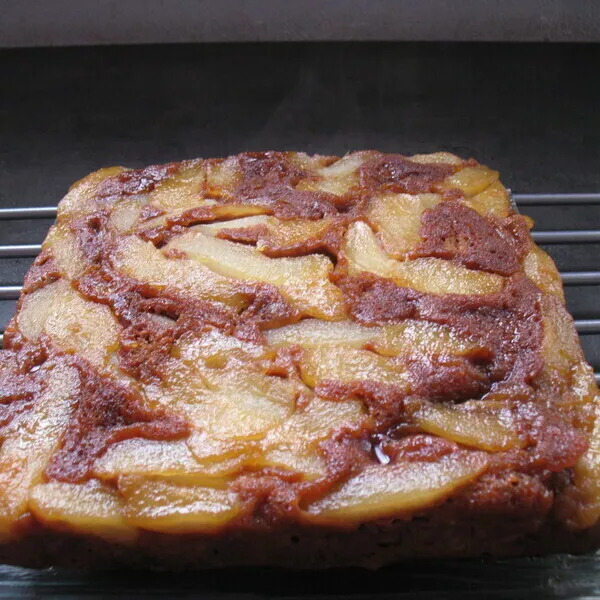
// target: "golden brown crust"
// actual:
[[347, 351]]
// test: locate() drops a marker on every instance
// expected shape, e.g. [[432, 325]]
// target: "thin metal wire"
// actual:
[[34, 212], [549, 199], [587, 325], [20, 250], [581, 277], [10, 292], [582, 236]]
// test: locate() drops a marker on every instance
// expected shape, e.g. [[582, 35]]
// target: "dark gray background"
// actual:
[[68, 22]]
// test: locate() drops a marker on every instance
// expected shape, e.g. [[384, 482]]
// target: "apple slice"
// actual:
[[145, 457], [25, 451], [65, 249], [338, 178], [212, 229], [540, 268], [168, 460], [431, 275], [313, 333], [294, 444], [220, 457], [73, 323], [125, 214], [211, 211], [493, 201], [444, 158], [87, 508], [222, 176], [143, 262], [560, 343], [303, 280], [471, 180], [182, 191], [470, 424], [275, 233], [397, 490], [586, 492], [166, 506], [407, 337], [225, 395], [234, 405], [81, 199], [397, 219], [346, 365]]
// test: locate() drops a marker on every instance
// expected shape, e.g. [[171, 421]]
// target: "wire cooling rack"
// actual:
[[575, 281]]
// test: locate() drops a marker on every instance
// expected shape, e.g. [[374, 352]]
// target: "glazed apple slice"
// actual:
[[432, 275], [81, 199], [273, 235], [540, 268], [442, 158], [471, 180], [231, 406], [346, 365], [560, 345], [397, 219], [222, 176], [64, 247], [338, 178], [26, 450], [221, 389], [142, 261], [471, 424], [166, 506], [410, 336], [90, 508], [294, 444], [585, 495], [184, 190], [73, 323], [493, 201], [303, 280], [397, 490], [145, 457]]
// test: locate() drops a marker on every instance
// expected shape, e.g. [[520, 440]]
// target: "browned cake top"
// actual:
[[276, 337]]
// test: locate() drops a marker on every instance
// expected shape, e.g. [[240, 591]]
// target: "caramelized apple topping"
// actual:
[[277, 337]]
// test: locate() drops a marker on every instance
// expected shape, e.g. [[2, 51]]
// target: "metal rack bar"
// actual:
[[582, 236], [20, 250], [587, 325], [34, 212], [551, 199], [581, 277], [10, 292]]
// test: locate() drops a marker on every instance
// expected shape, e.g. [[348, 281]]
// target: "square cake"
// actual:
[[293, 360]]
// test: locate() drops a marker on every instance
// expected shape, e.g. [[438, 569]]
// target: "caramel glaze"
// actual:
[[506, 327]]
